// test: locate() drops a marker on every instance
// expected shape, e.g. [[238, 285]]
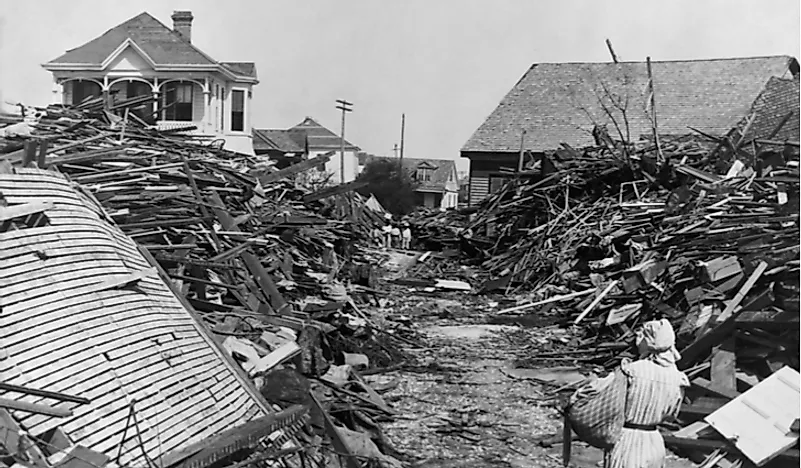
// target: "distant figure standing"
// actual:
[[378, 236], [396, 234], [406, 237], [387, 231]]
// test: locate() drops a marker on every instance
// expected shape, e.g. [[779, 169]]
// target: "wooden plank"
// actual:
[[125, 280], [791, 455], [40, 161], [17, 211], [29, 156], [251, 261], [715, 390], [746, 287], [595, 301], [759, 420], [722, 371]]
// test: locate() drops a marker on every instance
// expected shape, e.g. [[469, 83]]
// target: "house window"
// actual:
[[237, 111], [180, 96], [424, 174], [82, 90]]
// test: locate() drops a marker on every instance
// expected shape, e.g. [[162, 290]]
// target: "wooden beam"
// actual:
[[295, 169], [40, 162], [746, 287], [29, 156], [238, 372], [335, 190], [43, 393], [252, 262], [35, 408], [336, 438]]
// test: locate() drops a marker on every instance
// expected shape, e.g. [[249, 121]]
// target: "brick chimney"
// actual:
[[182, 24]]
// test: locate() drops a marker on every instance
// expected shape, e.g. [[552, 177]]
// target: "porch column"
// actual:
[[207, 124], [156, 104], [106, 93]]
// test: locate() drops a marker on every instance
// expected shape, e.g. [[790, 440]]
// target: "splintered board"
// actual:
[[759, 420], [83, 312]]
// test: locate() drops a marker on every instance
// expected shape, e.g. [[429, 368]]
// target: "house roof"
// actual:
[[276, 140], [779, 98], [241, 68], [315, 137], [162, 45], [560, 102], [442, 170]]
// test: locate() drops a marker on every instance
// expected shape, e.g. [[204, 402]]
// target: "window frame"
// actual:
[[82, 84], [243, 111], [180, 110]]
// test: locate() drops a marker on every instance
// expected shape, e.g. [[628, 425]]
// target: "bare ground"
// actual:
[[467, 406]]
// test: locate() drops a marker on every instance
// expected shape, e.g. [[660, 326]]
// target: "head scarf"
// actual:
[[656, 341]]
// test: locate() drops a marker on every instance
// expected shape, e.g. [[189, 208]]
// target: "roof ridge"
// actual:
[[718, 59]]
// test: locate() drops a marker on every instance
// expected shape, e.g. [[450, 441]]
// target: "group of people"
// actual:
[[394, 236]]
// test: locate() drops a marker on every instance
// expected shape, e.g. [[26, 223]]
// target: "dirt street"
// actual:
[[467, 404]]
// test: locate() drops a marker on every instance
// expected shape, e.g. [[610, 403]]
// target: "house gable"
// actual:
[[318, 138], [130, 58]]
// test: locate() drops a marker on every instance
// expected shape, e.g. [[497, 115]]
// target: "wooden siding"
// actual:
[[479, 187], [64, 329]]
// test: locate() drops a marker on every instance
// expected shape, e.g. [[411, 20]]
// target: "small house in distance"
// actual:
[[307, 140], [437, 179], [143, 57], [558, 103]]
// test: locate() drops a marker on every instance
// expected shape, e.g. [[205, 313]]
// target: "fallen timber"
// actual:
[[223, 237], [708, 240]]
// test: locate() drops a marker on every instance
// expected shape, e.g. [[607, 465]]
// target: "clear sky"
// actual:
[[445, 63]]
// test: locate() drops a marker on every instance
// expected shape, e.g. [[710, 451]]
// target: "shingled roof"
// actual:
[[560, 102], [161, 45], [315, 137], [276, 140], [779, 98]]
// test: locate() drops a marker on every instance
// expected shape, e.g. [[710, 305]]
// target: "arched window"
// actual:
[[84, 91]]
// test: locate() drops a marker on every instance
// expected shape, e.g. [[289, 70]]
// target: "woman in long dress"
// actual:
[[656, 388]]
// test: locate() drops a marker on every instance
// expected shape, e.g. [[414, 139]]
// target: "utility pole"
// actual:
[[403, 129], [611, 50], [344, 106]]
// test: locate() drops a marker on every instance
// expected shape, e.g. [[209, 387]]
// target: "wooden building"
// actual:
[[558, 103]]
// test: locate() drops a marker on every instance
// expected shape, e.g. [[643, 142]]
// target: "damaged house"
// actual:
[[557, 103]]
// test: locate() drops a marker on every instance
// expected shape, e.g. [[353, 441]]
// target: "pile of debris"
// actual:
[[274, 270], [702, 232]]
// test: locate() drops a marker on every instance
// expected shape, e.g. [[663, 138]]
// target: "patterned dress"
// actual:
[[655, 394]]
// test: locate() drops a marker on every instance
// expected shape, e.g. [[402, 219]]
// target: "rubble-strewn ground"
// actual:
[[471, 407]]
